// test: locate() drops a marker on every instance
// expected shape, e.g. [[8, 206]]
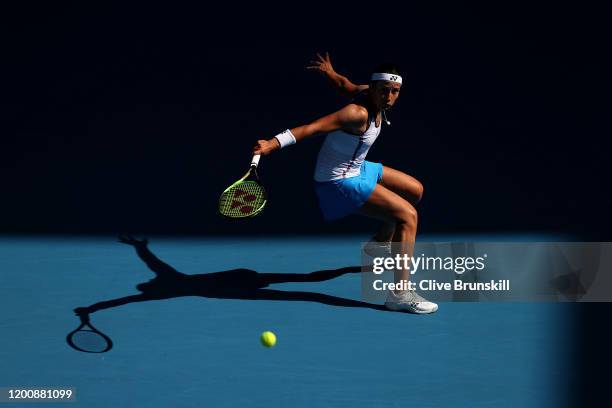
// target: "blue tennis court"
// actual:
[[196, 351]]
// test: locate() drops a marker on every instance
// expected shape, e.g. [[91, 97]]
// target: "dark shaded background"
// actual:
[[119, 118], [123, 117]]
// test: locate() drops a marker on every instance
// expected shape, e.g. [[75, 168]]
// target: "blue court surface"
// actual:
[[204, 351]]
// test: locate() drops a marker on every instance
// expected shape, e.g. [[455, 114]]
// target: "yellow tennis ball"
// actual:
[[268, 339]]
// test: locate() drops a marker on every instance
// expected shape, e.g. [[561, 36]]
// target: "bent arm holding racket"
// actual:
[[247, 197], [350, 118]]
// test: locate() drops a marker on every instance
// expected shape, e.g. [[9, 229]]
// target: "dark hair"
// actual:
[[387, 68]]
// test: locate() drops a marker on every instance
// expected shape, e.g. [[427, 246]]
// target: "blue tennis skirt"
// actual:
[[339, 198]]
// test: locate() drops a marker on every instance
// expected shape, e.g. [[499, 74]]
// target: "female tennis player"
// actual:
[[346, 183]]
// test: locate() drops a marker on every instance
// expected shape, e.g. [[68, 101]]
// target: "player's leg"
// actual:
[[271, 294], [385, 232], [317, 276], [387, 206], [402, 184], [407, 187]]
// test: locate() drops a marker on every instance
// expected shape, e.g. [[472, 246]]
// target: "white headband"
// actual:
[[386, 77]]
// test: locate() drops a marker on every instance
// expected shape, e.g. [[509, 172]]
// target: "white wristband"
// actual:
[[285, 138]]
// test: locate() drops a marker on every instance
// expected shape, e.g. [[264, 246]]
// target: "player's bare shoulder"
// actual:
[[354, 116]]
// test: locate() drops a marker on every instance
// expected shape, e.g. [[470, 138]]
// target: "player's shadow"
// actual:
[[231, 284]]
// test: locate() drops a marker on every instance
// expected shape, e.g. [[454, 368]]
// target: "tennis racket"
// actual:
[[246, 197]]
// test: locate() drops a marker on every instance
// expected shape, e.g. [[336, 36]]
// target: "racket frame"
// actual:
[[252, 170]]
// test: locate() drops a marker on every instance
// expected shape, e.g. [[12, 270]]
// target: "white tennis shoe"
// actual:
[[377, 249], [409, 301]]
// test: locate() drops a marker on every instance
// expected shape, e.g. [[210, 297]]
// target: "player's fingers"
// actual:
[[320, 57], [258, 147], [327, 56]]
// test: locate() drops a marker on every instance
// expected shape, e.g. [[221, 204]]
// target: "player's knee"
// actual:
[[418, 191], [412, 191], [408, 217]]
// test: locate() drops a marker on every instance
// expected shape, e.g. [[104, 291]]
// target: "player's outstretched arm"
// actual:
[[324, 66], [107, 304], [351, 118]]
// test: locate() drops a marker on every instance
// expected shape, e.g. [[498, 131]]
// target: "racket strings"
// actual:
[[242, 200]]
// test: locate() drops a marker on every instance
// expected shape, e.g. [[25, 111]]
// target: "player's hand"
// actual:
[[81, 311], [322, 65], [265, 147]]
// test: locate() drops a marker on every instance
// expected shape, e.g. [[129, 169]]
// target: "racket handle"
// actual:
[[255, 160]]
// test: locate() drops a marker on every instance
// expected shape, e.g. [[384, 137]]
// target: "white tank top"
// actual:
[[342, 153]]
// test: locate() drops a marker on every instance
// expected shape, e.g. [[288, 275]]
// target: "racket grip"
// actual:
[[255, 160]]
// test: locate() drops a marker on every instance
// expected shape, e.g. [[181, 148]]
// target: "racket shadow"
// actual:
[[240, 283], [87, 338]]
